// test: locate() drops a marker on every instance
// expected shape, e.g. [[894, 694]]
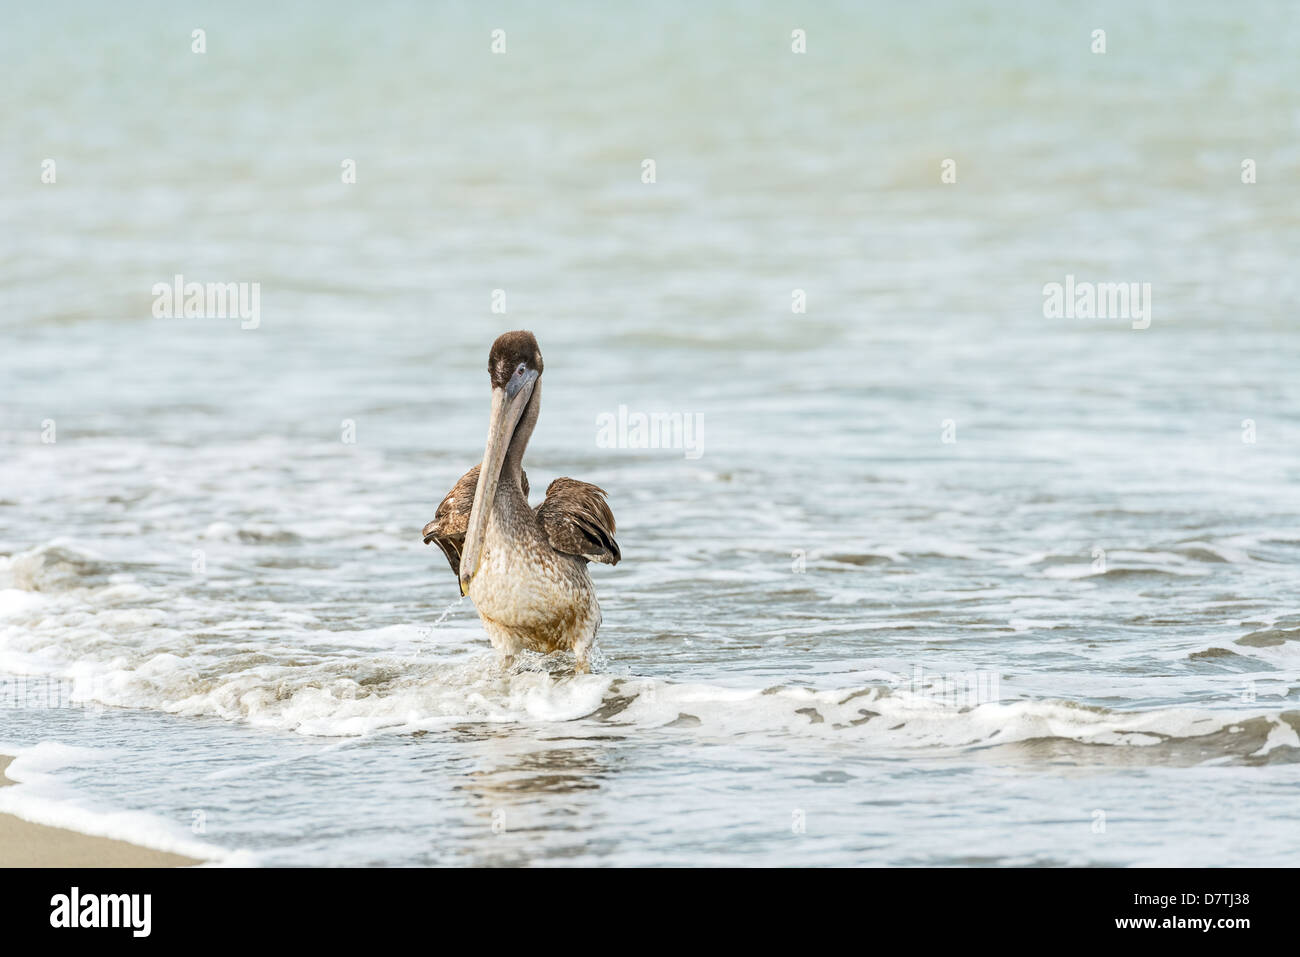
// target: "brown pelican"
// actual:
[[525, 568]]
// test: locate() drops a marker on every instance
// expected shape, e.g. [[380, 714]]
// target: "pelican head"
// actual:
[[515, 368]]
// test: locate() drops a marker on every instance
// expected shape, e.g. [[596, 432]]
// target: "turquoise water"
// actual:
[[948, 578]]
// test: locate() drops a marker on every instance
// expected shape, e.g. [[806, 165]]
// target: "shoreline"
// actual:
[[24, 844]]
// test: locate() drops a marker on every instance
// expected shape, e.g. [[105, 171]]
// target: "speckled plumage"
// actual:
[[528, 594], [447, 529], [530, 585]]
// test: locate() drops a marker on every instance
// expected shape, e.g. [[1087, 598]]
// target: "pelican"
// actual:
[[525, 568]]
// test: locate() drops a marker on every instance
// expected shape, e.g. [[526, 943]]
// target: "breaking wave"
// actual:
[[105, 640]]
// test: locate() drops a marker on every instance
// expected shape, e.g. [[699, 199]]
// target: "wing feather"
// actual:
[[577, 521], [451, 520]]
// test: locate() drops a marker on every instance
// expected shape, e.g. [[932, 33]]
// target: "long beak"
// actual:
[[507, 406]]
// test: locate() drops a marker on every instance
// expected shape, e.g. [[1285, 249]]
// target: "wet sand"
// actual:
[[23, 844]]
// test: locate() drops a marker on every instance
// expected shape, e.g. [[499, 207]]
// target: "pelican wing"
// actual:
[[451, 520], [577, 521]]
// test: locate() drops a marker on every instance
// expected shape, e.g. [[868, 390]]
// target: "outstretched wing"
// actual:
[[451, 520], [577, 521]]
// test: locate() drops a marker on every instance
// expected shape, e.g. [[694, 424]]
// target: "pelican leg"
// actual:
[[581, 664]]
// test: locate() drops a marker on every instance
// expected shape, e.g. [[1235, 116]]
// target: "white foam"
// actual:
[[898, 719], [41, 797], [115, 646], [1280, 735]]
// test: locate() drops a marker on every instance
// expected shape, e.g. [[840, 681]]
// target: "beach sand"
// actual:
[[23, 844]]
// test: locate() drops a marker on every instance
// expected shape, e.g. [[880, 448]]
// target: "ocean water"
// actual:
[[945, 581]]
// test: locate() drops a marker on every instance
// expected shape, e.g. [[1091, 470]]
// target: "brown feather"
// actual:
[[577, 521], [451, 520]]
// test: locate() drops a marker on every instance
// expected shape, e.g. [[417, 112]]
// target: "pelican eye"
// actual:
[[522, 368]]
